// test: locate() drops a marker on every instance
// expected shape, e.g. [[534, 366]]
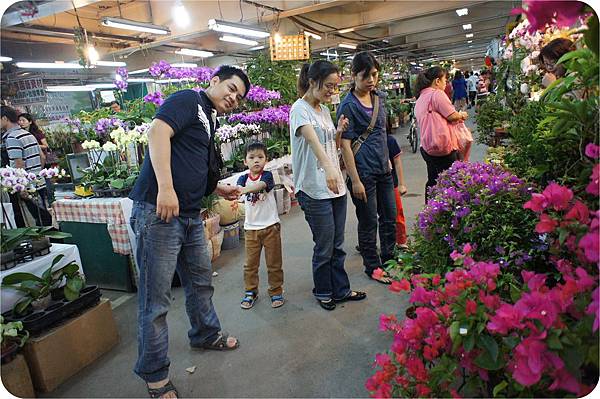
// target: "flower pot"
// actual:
[[211, 225], [9, 351], [41, 303]]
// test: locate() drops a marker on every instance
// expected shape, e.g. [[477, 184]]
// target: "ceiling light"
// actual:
[[240, 40], [413, 63], [194, 53], [94, 86], [180, 15], [5, 59], [347, 30], [256, 48], [328, 54], [228, 27], [462, 12], [347, 45], [138, 71], [49, 65], [68, 88], [385, 41], [140, 80], [468, 35], [467, 26], [92, 54], [185, 65], [170, 80], [127, 24], [110, 63], [277, 37], [469, 41], [313, 35]]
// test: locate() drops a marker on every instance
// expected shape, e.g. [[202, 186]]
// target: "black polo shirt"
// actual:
[[192, 117]]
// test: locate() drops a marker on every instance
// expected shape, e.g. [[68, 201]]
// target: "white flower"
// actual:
[[90, 144], [524, 88], [109, 146]]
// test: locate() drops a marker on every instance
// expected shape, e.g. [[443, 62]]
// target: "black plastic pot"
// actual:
[[112, 192], [58, 310], [25, 253], [9, 352]]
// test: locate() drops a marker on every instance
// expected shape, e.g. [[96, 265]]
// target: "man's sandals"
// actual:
[[159, 392], [219, 344]]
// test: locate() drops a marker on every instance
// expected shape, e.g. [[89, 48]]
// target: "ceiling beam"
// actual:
[[44, 10]]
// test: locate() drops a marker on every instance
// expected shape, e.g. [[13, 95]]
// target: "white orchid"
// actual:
[[90, 145], [109, 146]]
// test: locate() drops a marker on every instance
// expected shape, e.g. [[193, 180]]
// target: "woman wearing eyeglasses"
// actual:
[[318, 181], [549, 56], [365, 152]]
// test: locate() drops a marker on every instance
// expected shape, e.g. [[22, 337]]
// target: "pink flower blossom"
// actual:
[[528, 362], [594, 186], [534, 281], [565, 381], [579, 212], [470, 307], [541, 13], [537, 203], [378, 273], [546, 224], [398, 286], [467, 248], [535, 305], [592, 151], [507, 318], [594, 308], [419, 294], [558, 196], [590, 245]]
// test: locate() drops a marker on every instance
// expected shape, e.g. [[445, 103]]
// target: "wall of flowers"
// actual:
[[503, 281]]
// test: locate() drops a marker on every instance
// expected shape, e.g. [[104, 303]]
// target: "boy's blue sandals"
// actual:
[[248, 300], [277, 301]]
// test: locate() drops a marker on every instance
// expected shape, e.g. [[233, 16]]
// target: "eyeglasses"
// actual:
[[331, 86]]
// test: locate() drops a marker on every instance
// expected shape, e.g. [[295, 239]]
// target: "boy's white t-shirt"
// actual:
[[261, 208]]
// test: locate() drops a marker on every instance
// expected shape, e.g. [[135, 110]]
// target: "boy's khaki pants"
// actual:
[[270, 239]]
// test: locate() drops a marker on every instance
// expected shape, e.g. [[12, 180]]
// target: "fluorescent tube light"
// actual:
[[49, 65], [138, 71], [92, 54], [127, 24], [313, 35], [194, 53], [256, 48], [5, 59], [180, 15], [228, 27], [185, 65], [413, 63], [140, 80], [94, 86], [68, 88], [328, 54], [467, 26], [347, 45], [469, 41], [347, 30], [109, 63], [469, 35], [420, 65], [171, 80], [239, 40], [462, 12]]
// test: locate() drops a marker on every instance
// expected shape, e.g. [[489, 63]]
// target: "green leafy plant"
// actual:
[[12, 332], [36, 288], [12, 237], [491, 114], [275, 75]]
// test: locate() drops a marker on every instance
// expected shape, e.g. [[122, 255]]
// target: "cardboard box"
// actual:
[[61, 352], [16, 378]]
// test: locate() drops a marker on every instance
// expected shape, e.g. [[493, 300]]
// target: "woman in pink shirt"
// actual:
[[434, 112]]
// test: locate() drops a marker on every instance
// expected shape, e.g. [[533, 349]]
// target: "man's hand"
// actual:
[[167, 204], [228, 192], [358, 190]]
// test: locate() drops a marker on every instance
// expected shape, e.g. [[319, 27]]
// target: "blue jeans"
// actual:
[[161, 248], [380, 208], [327, 220]]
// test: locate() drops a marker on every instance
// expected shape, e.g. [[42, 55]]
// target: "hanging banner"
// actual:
[[289, 48], [30, 90]]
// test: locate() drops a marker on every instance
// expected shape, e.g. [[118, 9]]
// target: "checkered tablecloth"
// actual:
[[97, 210]]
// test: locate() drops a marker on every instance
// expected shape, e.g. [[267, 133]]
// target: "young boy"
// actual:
[[261, 226], [399, 190]]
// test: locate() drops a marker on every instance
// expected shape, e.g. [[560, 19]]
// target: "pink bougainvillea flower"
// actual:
[[590, 245], [535, 282], [528, 361], [386, 321], [594, 186], [423, 390], [558, 196], [535, 305], [507, 317], [592, 151], [421, 295], [594, 308], [470, 307], [402, 285], [416, 368], [540, 13], [579, 212], [565, 381], [456, 255], [546, 224], [467, 248], [537, 203], [584, 280], [382, 359]]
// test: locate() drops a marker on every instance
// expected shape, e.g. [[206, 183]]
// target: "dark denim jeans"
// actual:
[[380, 208], [327, 220], [161, 248], [435, 166]]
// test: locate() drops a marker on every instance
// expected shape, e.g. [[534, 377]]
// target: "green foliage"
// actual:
[[138, 112], [491, 114], [35, 287], [12, 332], [278, 75], [209, 202], [11, 238]]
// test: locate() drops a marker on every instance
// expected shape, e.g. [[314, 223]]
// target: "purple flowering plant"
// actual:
[[106, 125], [270, 116], [121, 78], [480, 203]]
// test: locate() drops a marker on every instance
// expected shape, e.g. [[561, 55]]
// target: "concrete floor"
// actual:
[[299, 350]]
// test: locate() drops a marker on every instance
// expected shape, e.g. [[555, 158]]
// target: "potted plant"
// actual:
[[12, 337], [38, 289], [210, 217], [39, 238]]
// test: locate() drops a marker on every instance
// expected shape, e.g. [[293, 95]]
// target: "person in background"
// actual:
[[459, 87], [434, 111], [27, 122], [549, 56], [448, 90], [369, 169], [115, 106], [399, 189], [472, 88], [24, 152], [262, 228], [178, 171], [318, 181]]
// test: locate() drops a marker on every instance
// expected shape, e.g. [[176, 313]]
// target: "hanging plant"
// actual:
[[80, 44]]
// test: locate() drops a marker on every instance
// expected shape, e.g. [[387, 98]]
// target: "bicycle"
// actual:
[[413, 135]]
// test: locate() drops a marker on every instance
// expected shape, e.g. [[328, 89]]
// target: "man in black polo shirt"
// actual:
[[167, 223]]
